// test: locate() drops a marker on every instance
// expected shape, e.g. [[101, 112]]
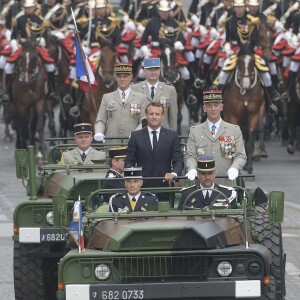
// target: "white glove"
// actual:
[[99, 137], [293, 42], [195, 20], [14, 45], [191, 174], [140, 29], [130, 25], [125, 18], [146, 52], [42, 42], [278, 26], [287, 36], [227, 49], [233, 173], [214, 34], [178, 46], [7, 35]]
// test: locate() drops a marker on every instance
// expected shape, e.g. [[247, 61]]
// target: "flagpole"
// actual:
[[79, 226], [94, 106]]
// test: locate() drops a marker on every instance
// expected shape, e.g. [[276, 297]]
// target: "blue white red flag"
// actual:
[[76, 225], [80, 69]]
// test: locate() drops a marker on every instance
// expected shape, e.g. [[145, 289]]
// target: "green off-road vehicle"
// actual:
[[211, 253]]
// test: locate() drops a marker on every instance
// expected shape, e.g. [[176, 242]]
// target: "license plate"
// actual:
[[116, 293], [52, 235]]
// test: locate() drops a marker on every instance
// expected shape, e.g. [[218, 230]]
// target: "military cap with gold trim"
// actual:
[[212, 96], [118, 152], [131, 173], [205, 163], [83, 128], [123, 69]]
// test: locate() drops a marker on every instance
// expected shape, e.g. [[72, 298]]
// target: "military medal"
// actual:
[[135, 109], [227, 144], [164, 102]]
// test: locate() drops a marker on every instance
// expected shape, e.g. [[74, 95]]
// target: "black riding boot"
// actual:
[[6, 96], [291, 80], [52, 92], [205, 82], [272, 95]]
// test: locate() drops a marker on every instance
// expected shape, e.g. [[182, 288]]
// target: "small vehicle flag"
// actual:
[[76, 225]]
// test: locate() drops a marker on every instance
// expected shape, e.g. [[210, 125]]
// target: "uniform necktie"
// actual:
[[83, 156], [123, 96], [132, 203], [213, 129], [154, 146], [206, 199], [133, 199], [152, 92]]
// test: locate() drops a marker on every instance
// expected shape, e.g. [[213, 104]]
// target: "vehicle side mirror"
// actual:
[[21, 163], [276, 207], [60, 211]]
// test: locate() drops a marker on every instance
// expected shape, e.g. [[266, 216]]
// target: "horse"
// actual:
[[170, 74], [28, 93], [244, 99], [106, 84], [62, 62]]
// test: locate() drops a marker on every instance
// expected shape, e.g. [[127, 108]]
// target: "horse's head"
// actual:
[[169, 70], [246, 74], [106, 65], [28, 63]]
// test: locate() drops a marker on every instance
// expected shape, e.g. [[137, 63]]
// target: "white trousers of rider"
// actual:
[[2, 62], [207, 59], [185, 73]]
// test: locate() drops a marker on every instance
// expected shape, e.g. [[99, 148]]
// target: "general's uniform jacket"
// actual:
[[145, 202], [74, 157], [202, 142], [116, 119], [166, 95], [199, 201]]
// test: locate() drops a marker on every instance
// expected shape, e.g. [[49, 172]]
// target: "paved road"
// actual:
[[278, 172]]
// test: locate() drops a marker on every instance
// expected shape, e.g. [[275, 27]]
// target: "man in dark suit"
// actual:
[[133, 199], [116, 168], [156, 149], [206, 175]]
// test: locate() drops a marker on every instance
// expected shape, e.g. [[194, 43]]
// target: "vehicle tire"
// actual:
[[31, 274], [271, 238]]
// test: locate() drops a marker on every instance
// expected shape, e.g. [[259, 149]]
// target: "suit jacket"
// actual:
[[74, 157], [167, 158], [202, 142], [116, 119], [199, 201], [167, 96], [145, 202]]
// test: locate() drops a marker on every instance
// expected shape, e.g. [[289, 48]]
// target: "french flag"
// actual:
[[76, 225], [80, 70]]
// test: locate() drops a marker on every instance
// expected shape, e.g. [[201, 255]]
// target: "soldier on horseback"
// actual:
[[242, 27], [28, 25]]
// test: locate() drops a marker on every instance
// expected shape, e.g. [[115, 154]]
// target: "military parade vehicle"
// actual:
[[210, 253]]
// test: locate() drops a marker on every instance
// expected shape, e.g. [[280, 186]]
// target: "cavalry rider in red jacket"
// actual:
[[27, 25]]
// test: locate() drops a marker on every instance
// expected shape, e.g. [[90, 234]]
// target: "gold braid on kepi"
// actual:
[[260, 64]]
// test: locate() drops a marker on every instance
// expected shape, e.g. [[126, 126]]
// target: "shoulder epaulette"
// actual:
[[148, 193], [227, 19], [117, 194]]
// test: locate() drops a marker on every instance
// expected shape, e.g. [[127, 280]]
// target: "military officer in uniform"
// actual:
[[158, 91], [133, 199], [116, 163], [206, 175], [214, 137], [84, 153], [121, 111]]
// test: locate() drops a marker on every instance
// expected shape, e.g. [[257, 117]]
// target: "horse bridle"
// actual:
[[243, 90], [27, 76], [109, 84]]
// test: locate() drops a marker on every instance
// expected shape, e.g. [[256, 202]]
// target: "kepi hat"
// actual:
[[212, 96], [131, 173], [151, 63], [83, 128], [118, 152], [205, 163], [123, 69]]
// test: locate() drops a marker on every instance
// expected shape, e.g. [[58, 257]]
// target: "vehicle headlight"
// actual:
[[102, 272], [254, 268], [224, 268], [49, 217]]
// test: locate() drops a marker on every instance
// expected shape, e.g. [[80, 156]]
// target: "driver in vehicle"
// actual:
[[133, 199], [211, 193]]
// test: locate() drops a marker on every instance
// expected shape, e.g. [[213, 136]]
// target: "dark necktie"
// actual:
[[152, 92], [83, 156], [123, 96], [133, 199], [154, 141], [206, 199]]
